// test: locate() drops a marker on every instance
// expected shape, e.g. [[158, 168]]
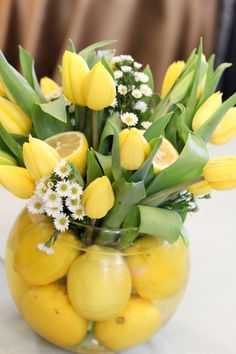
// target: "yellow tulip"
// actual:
[[6, 159], [199, 188], [206, 110], [171, 75], [48, 86], [17, 181], [98, 198], [226, 129], [220, 173], [74, 70], [39, 157], [134, 149], [13, 119], [99, 88]]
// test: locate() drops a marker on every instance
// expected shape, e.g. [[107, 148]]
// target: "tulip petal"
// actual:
[[17, 181]]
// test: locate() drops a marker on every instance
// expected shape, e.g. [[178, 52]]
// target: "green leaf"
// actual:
[[164, 224], [187, 167], [12, 145], [45, 125], [106, 164], [115, 153], [93, 168], [158, 127], [141, 173], [107, 67], [85, 52], [126, 196], [108, 131], [20, 139], [76, 174], [148, 72], [131, 223], [206, 130], [71, 46], [56, 109], [18, 87]]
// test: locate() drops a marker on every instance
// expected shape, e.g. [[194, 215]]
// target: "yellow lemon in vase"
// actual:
[[158, 269], [99, 283]]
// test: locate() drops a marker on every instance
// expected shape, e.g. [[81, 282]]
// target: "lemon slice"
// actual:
[[72, 146], [165, 156]]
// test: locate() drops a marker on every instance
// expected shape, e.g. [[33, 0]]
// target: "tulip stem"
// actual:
[[95, 129], [89, 234]]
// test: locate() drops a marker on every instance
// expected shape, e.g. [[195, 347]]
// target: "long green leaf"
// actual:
[[56, 109], [106, 164], [11, 143], [93, 168], [85, 52], [162, 223], [158, 127], [19, 88], [187, 167], [115, 153]]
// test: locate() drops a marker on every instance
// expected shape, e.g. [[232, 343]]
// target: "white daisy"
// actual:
[[114, 103], [130, 119], [35, 205], [52, 199], [115, 60], [62, 169], [118, 74], [44, 248], [146, 124], [63, 188], [79, 213], [136, 93], [54, 211], [122, 89], [75, 190], [140, 106], [73, 203], [126, 68], [71, 108], [137, 65], [61, 222], [50, 184], [41, 187], [146, 90], [126, 57], [140, 77]]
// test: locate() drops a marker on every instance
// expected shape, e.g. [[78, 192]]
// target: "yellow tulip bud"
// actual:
[[134, 149], [99, 88], [220, 173], [226, 129], [13, 119], [199, 188], [39, 157], [74, 70], [17, 181], [206, 110], [48, 86], [6, 159], [98, 198], [171, 75]]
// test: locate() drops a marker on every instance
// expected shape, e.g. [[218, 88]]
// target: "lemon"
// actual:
[[158, 269], [139, 321], [72, 146], [99, 283], [37, 267], [165, 156], [48, 310]]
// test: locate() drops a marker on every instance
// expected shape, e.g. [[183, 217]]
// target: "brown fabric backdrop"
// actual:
[[153, 31]]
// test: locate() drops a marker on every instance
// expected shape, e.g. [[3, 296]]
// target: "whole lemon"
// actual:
[[48, 310], [158, 269], [99, 283], [37, 267], [137, 323]]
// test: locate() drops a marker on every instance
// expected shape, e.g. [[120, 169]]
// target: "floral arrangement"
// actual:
[[105, 149]]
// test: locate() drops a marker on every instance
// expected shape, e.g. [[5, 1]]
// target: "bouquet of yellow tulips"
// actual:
[[104, 149], [98, 261]]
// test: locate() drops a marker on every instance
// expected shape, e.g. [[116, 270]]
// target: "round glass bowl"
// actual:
[[87, 297]]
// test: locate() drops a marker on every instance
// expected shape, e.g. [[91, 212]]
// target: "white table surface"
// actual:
[[206, 320]]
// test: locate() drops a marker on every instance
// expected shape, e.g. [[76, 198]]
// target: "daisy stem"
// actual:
[[95, 129]]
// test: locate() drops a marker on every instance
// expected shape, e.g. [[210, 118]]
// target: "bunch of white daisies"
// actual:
[[132, 89], [59, 196]]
